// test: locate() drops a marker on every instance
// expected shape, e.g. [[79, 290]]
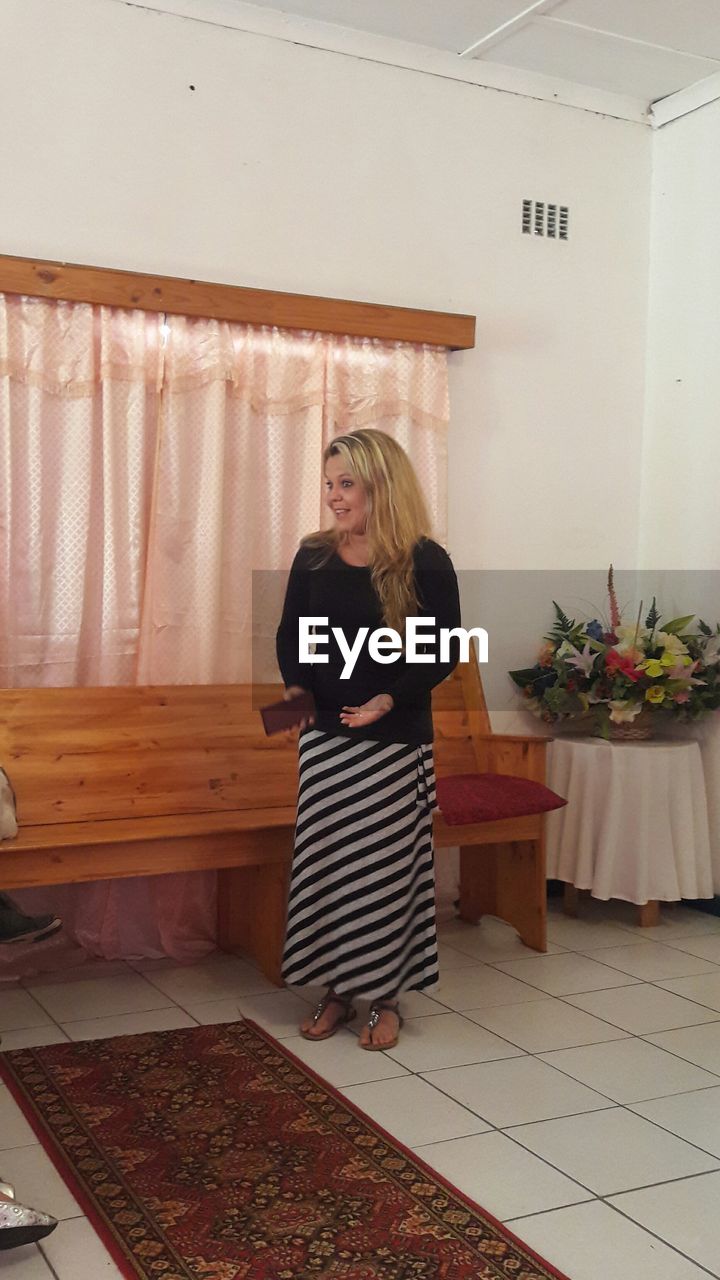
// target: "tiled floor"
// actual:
[[575, 1096]]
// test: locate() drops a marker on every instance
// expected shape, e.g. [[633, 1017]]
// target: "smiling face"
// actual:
[[345, 496]]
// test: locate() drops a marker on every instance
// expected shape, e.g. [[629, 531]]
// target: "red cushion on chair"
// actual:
[[487, 797]]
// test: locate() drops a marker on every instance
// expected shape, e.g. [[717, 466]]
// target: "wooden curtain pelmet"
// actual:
[[111, 288]]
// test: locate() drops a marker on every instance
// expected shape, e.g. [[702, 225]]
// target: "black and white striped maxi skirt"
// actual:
[[361, 913]]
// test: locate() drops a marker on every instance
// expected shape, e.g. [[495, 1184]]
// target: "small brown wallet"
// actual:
[[287, 714]]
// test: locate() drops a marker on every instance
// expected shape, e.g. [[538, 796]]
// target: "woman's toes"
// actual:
[[384, 1033]]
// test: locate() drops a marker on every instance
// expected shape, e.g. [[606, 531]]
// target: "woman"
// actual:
[[361, 914]]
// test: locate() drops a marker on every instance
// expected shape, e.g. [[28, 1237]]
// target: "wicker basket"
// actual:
[[637, 730], [642, 727]]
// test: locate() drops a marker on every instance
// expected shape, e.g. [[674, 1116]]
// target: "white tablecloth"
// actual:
[[708, 734], [636, 823]]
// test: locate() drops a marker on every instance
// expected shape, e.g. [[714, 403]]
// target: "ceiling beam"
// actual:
[[685, 101], [506, 28]]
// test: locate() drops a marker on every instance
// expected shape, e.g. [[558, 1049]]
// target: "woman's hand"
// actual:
[[368, 713]]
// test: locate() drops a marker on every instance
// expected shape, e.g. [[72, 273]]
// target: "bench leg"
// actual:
[[252, 911], [507, 881]]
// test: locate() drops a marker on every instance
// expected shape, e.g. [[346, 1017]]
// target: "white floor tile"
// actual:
[[18, 1009], [213, 1012], [196, 984], [14, 1128], [643, 1009], [81, 971], [99, 997], [479, 987], [612, 1151], [151, 964], [341, 1061], [32, 1037], [629, 1070], [700, 1045], [37, 1182], [515, 1091], [592, 1242], [544, 1024], [704, 989], [413, 1112], [449, 959], [76, 1252], [693, 1116], [128, 1024], [684, 1213], [39, 960], [415, 1004], [675, 925], [585, 934], [488, 941], [279, 1013], [652, 962], [707, 948], [565, 974], [448, 1040], [311, 995], [26, 1264], [501, 1176]]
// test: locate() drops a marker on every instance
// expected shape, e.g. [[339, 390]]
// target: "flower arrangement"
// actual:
[[612, 674]]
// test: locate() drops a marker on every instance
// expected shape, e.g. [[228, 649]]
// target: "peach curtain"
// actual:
[[245, 415], [149, 464]]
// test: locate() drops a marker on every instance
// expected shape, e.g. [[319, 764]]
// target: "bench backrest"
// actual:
[[80, 754]]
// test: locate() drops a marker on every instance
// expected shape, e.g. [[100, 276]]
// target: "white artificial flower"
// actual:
[[623, 711], [672, 643], [711, 651], [583, 661], [630, 638]]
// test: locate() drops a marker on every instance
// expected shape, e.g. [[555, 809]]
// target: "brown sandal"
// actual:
[[347, 1015], [376, 1008]]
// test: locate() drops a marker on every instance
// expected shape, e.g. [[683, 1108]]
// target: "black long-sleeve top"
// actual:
[[344, 594]]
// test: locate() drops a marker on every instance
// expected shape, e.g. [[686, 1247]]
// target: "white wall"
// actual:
[[681, 481], [302, 170], [680, 525]]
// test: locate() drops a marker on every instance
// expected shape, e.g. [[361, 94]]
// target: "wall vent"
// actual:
[[542, 219]]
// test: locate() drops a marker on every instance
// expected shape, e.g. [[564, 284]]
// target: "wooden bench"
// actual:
[[134, 781]]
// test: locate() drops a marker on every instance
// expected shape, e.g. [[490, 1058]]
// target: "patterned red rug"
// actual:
[[213, 1154]]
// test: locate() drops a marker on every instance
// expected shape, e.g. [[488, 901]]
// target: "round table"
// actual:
[[636, 823]]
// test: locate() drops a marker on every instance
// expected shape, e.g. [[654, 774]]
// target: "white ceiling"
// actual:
[[622, 54]]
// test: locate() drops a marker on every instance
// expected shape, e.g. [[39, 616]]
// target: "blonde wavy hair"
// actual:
[[397, 518]]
